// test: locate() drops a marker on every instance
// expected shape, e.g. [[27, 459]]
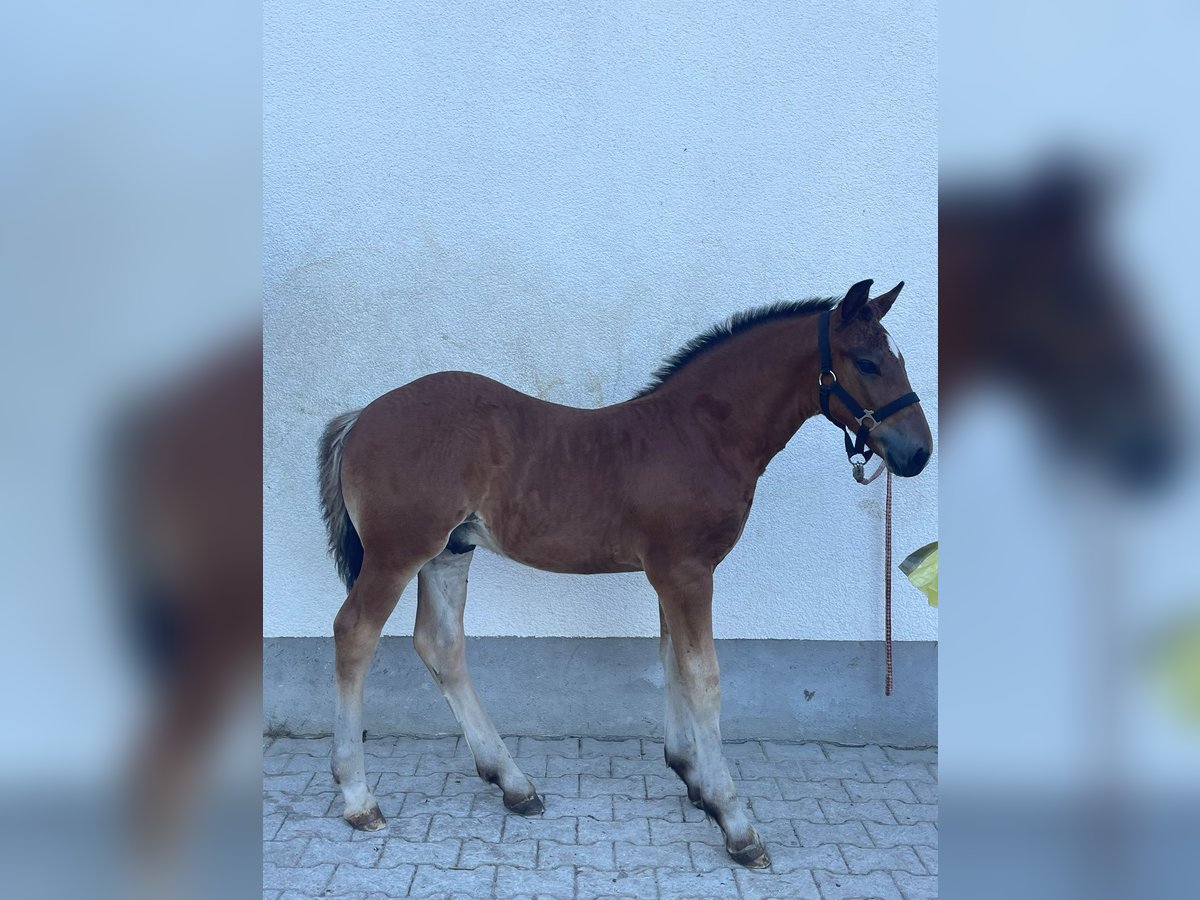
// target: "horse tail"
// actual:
[[344, 543]]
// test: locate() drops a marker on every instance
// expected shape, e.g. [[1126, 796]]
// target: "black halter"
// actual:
[[867, 419]]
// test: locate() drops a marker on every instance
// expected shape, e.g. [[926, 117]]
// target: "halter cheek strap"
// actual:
[[867, 419]]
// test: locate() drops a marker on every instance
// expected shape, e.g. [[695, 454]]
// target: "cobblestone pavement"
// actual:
[[838, 822]]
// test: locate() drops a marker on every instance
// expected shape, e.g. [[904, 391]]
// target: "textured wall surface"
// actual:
[[557, 196]]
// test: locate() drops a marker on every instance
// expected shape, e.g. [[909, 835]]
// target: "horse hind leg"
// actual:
[[356, 633], [679, 747], [438, 637]]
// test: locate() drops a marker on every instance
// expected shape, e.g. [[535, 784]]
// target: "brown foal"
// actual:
[[661, 483]]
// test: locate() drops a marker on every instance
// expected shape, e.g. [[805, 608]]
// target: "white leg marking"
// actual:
[[439, 639]]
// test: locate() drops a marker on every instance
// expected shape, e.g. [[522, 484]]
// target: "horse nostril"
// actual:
[[919, 458]]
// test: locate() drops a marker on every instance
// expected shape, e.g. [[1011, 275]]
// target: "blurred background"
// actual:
[[1070, 636], [129, 271]]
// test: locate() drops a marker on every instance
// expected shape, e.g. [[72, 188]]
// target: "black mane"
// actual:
[[736, 324]]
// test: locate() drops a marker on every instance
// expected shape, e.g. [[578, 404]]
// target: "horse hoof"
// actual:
[[371, 820], [752, 857], [527, 806]]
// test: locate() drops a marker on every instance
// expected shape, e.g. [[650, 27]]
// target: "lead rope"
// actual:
[[887, 585], [887, 566]]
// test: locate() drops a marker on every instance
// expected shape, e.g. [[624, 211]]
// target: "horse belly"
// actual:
[[567, 549]]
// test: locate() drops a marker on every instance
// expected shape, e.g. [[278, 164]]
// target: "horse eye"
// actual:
[[866, 367]]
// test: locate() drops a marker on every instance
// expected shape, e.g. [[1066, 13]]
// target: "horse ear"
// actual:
[[881, 304], [855, 300]]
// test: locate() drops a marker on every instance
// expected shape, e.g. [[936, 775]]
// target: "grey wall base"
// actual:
[[612, 687]]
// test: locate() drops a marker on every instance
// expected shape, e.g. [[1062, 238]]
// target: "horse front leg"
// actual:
[[685, 597], [679, 747]]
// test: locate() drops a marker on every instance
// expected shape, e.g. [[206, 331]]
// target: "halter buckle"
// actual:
[[856, 469], [862, 420], [821, 378]]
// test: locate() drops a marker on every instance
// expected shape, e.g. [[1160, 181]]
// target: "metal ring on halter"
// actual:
[[821, 378], [867, 414]]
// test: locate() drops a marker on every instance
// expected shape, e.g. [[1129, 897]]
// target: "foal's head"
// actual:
[[869, 365]]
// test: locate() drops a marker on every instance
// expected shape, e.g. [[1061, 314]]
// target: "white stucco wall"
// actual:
[[557, 195]]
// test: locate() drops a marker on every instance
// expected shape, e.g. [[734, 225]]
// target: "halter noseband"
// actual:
[[867, 419]]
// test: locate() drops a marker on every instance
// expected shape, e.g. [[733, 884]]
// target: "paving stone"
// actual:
[[929, 856], [551, 855], [435, 764], [392, 882], [916, 887], [902, 835], [559, 785], [812, 835], [651, 856], [863, 860], [777, 750], [271, 825], [666, 832], [313, 746], [513, 882], [765, 788], [391, 783], [660, 786], [835, 771], [868, 811], [888, 790], [276, 765], [580, 807], [646, 765], [857, 887], [354, 853], [925, 792], [891, 771], [548, 747], [806, 809], [800, 789], [287, 784], [667, 808], [431, 881], [453, 805], [610, 748], [333, 829], [311, 879], [905, 755], [397, 765], [634, 831], [593, 883], [744, 750], [434, 853], [578, 765], [757, 768], [869, 753], [312, 803], [798, 859], [676, 884], [519, 854], [284, 853], [442, 827], [911, 813], [710, 855], [535, 828], [633, 786], [753, 884]]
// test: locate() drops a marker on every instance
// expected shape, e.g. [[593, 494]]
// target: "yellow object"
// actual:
[[1178, 663], [921, 567]]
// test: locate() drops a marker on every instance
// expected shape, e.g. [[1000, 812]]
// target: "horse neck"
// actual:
[[751, 393]]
